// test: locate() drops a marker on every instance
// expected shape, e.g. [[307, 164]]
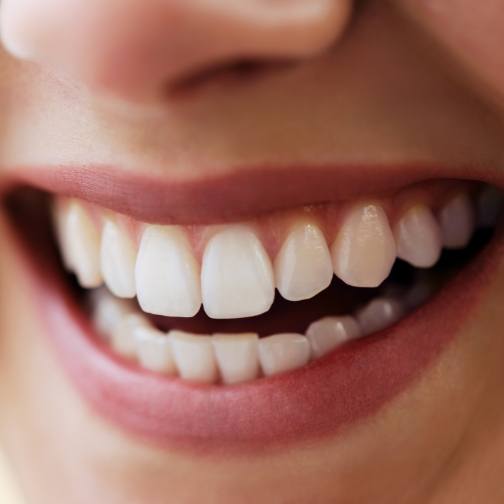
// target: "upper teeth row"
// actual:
[[236, 277]]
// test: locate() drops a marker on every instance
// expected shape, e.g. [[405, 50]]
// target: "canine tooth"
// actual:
[[154, 350], [303, 267], [237, 356], [59, 217], [194, 356], [489, 206], [82, 242], [118, 257], [418, 237], [457, 220], [108, 311], [364, 250], [123, 334], [283, 352], [237, 276], [167, 274], [328, 333], [379, 314]]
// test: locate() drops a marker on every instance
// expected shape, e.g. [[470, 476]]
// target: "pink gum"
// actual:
[[273, 228]]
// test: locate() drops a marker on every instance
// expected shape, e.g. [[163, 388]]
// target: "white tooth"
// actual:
[[59, 218], [303, 267], [237, 356], [418, 237], [328, 333], [489, 206], [419, 293], [82, 242], [457, 220], [167, 274], [364, 250], [379, 314], [118, 257], [154, 350], [237, 276], [123, 334], [108, 311], [194, 356], [283, 352]]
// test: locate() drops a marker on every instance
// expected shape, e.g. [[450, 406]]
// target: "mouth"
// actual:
[[251, 322]]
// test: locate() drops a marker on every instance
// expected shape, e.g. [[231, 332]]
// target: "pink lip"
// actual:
[[321, 399], [236, 195]]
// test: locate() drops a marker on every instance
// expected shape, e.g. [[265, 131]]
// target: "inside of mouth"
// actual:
[[30, 212], [405, 282], [288, 336]]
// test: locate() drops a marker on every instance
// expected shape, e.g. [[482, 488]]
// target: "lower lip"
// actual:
[[320, 399]]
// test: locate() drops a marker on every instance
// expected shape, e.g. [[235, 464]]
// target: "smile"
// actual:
[[273, 322]]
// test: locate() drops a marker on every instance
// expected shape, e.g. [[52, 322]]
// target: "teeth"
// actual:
[[118, 257], [154, 350], [283, 352], [236, 356], [303, 266], [237, 276], [489, 207], [59, 215], [379, 314], [194, 357], [167, 274], [123, 334], [328, 333], [236, 279], [457, 220], [364, 250], [418, 237], [421, 291], [80, 241], [108, 311]]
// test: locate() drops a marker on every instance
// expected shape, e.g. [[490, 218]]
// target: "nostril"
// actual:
[[241, 71], [140, 52]]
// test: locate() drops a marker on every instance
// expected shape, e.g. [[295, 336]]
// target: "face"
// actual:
[[250, 251]]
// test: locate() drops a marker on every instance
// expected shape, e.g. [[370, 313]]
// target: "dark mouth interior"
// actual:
[[29, 211], [338, 299]]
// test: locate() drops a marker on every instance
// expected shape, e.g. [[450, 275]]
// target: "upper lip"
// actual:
[[238, 194]]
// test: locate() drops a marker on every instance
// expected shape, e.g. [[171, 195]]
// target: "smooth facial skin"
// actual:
[[380, 82]]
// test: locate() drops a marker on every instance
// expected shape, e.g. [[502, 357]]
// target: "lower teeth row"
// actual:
[[236, 358]]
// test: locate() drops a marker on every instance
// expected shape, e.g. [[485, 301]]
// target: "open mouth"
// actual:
[[199, 332]]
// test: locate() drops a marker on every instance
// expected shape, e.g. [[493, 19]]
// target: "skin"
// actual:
[[402, 81]]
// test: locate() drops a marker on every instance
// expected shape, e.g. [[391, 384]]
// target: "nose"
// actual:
[[137, 49]]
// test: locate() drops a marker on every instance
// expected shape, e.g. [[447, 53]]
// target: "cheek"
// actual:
[[474, 36]]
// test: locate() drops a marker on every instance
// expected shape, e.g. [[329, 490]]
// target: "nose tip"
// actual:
[[135, 50]]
